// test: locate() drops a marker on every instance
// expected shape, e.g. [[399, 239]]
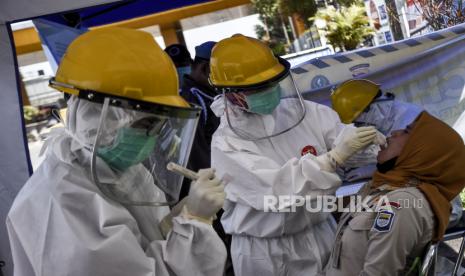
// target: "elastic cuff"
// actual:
[[326, 162], [166, 225], [187, 215], [335, 159]]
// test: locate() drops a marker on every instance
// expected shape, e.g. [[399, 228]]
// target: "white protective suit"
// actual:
[[297, 243], [61, 224]]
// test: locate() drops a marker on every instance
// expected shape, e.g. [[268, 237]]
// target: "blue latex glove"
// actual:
[[360, 173]]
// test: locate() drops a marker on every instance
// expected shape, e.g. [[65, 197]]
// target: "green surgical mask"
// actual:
[[264, 102], [131, 147]]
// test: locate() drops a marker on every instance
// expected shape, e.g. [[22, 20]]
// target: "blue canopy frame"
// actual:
[[114, 12]]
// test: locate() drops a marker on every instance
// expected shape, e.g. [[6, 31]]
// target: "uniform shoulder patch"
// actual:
[[392, 204], [384, 220]]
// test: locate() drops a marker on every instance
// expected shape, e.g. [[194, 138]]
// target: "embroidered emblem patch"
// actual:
[[392, 204], [384, 220], [308, 149]]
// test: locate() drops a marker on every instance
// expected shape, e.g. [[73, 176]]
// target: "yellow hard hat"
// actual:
[[351, 97], [119, 62], [241, 61]]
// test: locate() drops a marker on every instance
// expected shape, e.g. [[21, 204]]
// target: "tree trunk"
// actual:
[[394, 20], [299, 24]]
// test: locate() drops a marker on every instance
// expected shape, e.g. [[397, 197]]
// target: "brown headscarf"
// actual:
[[435, 156]]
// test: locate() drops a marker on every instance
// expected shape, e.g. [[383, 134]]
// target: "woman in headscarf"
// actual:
[[419, 172]]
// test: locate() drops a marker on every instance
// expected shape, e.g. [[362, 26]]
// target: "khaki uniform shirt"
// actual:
[[385, 241]]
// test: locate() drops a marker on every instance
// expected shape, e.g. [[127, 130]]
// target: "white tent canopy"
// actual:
[[14, 163]]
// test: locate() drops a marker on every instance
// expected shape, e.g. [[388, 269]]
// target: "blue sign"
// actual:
[[55, 39], [319, 81]]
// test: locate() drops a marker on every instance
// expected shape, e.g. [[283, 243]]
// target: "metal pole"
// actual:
[[284, 29], [292, 27], [435, 260], [296, 38]]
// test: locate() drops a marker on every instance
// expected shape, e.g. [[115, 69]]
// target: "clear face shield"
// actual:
[[266, 111], [134, 143], [377, 114]]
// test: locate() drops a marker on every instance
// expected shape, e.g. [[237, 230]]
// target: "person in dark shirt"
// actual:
[[181, 58], [197, 90]]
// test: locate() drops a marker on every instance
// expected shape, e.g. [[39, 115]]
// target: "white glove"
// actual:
[[360, 173], [355, 140], [325, 162], [166, 224], [380, 139], [206, 197]]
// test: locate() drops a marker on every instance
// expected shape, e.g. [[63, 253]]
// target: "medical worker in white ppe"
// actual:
[[271, 142], [95, 205]]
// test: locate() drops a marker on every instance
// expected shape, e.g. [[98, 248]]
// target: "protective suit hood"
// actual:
[[79, 133], [218, 106]]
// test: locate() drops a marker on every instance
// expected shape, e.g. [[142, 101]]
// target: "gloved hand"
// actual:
[[166, 224], [206, 197], [380, 139], [360, 173], [354, 140]]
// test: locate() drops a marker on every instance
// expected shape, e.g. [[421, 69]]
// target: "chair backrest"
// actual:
[[428, 266], [2, 264]]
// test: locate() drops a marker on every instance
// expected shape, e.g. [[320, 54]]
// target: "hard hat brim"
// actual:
[[277, 72], [174, 101], [349, 105]]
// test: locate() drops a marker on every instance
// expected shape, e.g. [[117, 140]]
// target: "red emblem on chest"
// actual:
[[308, 149]]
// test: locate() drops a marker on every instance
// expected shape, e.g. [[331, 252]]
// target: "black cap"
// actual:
[[179, 54]]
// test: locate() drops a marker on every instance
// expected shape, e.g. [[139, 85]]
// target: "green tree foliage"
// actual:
[[276, 40], [271, 32], [348, 3], [274, 13], [266, 8], [304, 8], [30, 113], [345, 28]]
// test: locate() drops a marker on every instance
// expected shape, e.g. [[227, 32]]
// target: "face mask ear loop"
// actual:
[[236, 131], [226, 102], [241, 100]]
